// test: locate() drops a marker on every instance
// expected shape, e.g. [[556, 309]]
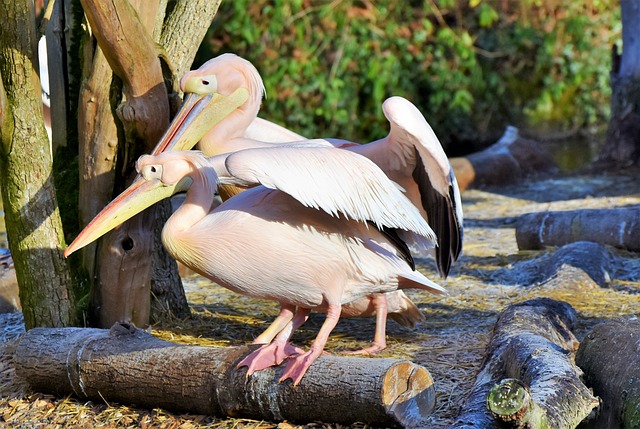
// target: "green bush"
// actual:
[[472, 66]]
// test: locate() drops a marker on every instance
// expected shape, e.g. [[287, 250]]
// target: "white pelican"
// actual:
[[326, 227], [411, 155]]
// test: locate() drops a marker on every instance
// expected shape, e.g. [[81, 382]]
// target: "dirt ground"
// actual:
[[450, 343]]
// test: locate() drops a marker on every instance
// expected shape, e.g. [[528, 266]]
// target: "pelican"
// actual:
[[319, 228], [411, 155]]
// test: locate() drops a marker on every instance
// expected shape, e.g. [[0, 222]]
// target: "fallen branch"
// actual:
[[131, 366], [610, 360], [529, 367], [510, 159], [616, 227], [594, 259]]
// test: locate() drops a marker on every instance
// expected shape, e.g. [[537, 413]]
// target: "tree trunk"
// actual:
[[622, 143], [611, 363], [122, 285], [132, 366], [529, 366], [135, 274], [615, 227], [184, 31], [33, 222]]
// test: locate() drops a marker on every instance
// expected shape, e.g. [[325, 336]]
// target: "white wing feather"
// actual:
[[333, 180]]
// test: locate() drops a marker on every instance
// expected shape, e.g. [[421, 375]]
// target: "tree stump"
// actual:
[[528, 378], [609, 356], [131, 366], [618, 227], [510, 159]]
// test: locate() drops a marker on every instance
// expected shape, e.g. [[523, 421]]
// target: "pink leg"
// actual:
[[279, 349], [298, 365], [379, 338], [285, 316]]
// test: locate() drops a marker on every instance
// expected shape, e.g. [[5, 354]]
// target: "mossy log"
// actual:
[[510, 159], [131, 366], [528, 377], [609, 356], [618, 227]]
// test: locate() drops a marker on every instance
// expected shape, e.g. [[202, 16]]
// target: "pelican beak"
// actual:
[[198, 114], [141, 194]]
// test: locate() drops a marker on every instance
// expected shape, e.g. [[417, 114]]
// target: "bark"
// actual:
[[591, 259], [132, 366], [124, 277], [611, 363], [32, 218], [532, 343], [184, 31], [622, 143], [167, 294], [509, 160], [133, 57], [97, 143], [618, 227]]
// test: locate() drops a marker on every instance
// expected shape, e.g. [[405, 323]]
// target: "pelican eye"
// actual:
[[153, 171], [202, 86]]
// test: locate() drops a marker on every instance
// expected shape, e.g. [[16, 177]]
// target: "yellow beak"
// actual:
[[140, 195], [198, 114]]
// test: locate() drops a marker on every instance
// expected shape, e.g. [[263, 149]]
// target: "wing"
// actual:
[[412, 154], [434, 176], [336, 181]]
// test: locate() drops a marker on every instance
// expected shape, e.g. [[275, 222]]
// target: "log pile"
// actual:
[[609, 356], [131, 366], [511, 159], [528, 377], [618, 227]]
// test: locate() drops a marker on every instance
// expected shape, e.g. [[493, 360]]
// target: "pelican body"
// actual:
[[410, 155]]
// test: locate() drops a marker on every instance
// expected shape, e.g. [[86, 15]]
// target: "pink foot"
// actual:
[[267, 356], [367, 351], [297, 366]]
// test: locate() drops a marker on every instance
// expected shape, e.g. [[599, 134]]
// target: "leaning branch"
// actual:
[[133, 56]]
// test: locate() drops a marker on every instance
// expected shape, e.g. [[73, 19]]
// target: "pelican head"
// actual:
[[220, 87], [159, 177]]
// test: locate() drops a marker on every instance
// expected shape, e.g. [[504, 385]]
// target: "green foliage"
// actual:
[[471, 66]]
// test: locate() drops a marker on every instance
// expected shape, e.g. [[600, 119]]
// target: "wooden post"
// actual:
[[131, 366], [532, 347]]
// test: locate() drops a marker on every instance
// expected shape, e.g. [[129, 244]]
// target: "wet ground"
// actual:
[[491, 274]]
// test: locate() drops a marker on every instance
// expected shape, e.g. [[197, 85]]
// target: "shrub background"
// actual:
[[472, 66]]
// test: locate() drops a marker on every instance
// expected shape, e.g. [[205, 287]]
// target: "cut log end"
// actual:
[[509, 400], [408, 393]]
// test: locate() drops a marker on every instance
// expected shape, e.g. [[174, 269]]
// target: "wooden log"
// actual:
[[131, 366], [511, 159], [618, 227], [532, 343], [609, 356]]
